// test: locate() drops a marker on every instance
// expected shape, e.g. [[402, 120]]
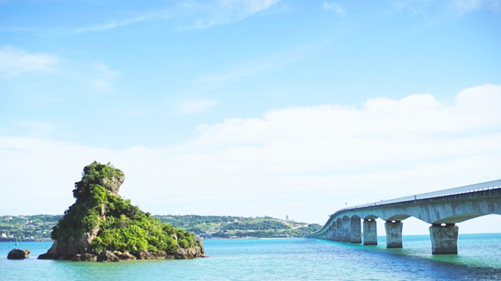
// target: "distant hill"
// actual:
[[240, 227], [27, 228], [39, 227]]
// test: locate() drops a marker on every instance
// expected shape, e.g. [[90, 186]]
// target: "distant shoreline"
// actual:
[[39, 227]]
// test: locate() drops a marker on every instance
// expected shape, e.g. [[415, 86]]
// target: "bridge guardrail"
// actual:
[[495, 184]]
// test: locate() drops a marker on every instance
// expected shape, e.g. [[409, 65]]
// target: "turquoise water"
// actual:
[[279, 259]]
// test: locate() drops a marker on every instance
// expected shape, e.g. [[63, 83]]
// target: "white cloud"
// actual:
[[16, 61], [385, 133], [302, 161], [335, 7], [191, 106]]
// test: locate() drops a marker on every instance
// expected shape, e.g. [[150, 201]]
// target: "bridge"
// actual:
[[441, 209]]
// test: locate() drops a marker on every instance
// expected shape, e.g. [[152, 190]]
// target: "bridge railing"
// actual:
[[445, 192]]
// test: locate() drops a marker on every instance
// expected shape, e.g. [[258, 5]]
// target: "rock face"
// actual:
[[83, 257], [101, 226], [189, 253], [124, 255], [74, 245], [107, 256], [17, 254]]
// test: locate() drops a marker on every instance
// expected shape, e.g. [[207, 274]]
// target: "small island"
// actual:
[[102, 226]]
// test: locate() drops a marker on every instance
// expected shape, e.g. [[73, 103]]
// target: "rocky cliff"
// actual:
[[102, 226]]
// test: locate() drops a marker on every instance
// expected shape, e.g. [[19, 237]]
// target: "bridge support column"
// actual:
[[355, 233], [332, 232], [393, 234], [335, 234], [444, 239], [346, 230], [370, 232], [339, 230]]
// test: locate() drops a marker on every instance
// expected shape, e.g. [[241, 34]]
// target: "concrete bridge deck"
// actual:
[[442, 209]]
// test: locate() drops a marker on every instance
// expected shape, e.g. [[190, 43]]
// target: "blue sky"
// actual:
[[250, 108]]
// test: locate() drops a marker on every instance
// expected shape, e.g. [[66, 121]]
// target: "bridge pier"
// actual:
[[370, 232], [356, 231], [339, 230], [346, 229], [393, 234], [444, 239], [332, 232]]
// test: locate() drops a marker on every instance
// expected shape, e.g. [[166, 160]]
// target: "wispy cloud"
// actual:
[[263, 65], [15, 61], [195, 15], [226, 11], [37, 128], [467, 5], [425, 7], [335, 7], [192, 106], [98, 77], [13, 29], [204, 14], [103, 77], [119, 23], [495, 6]]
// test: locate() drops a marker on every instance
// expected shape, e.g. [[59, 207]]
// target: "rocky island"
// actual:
[[102, 226], [18, 254]]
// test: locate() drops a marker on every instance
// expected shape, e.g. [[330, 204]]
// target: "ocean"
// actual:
[[479, 258]]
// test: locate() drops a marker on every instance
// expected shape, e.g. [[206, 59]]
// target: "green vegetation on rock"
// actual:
[[100, 220]]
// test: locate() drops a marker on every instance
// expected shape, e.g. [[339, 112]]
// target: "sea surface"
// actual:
[[479, 258]]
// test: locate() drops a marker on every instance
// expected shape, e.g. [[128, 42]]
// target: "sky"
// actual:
[[249, 108]]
